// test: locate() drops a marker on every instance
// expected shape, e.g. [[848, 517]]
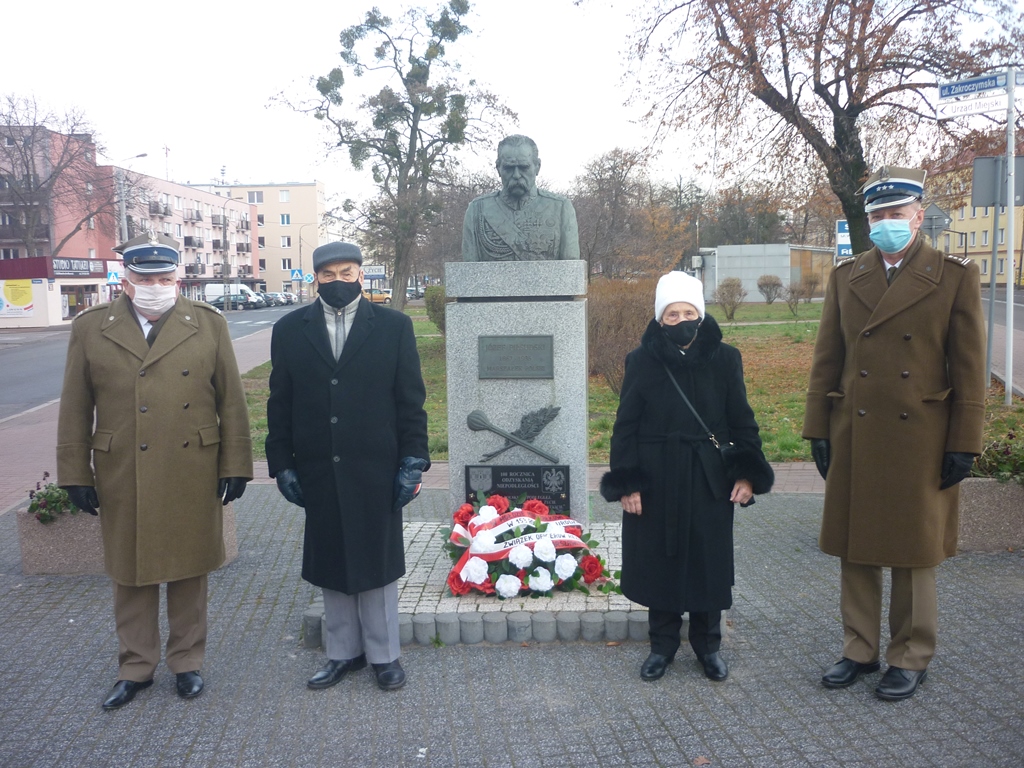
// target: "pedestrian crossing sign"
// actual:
[[113, 278], [296, 275]]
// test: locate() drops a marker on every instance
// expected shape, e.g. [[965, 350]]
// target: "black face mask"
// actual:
[[338, 293], [682, 333]]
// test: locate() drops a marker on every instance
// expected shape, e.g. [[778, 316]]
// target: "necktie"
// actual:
[[889, 274], [151, 336]]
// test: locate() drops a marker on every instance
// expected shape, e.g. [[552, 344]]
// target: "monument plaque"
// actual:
[[547, 483], [516, 357]]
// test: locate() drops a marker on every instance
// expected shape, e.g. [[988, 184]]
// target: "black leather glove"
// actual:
[[955, 467], [230, 488], [821, 450], [84, 497], [409, 480], [288, 485]]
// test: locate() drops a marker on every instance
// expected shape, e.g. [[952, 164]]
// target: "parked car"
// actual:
[[235, 301], [413, 293], [291, 297], [377, 295], [281, 298], [270, 299]]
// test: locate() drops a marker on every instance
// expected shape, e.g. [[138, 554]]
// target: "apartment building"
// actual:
[[289, 226]]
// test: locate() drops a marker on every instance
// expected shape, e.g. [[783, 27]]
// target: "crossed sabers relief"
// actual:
[[531, 425]]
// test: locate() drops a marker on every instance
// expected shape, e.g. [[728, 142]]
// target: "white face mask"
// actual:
[[154, 299]]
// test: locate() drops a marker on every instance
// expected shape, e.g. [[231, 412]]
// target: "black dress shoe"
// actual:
[[390, 676], [654, 666], [845, 672], [123, 692], [898, 684], [333, 671], [189, 684], [715, 667]]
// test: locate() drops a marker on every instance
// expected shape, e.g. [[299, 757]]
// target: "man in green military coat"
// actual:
[[895, 409], [153, 435]]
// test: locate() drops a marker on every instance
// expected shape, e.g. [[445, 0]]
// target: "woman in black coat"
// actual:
[[676, 489]]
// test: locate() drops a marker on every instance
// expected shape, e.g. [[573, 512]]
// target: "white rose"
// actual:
[[565, 566], [544, 550], [508, 585], [486, 513], [474, 571], [484, 542], [541, 581], [521, 556]]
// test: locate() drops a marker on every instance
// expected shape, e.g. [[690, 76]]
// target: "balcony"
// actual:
[[156, 208], [195, 269], [218, 245], [222, 270], [243, 247], [20, 233], [193, 242], [218, 220], [244, 270], [189, 215], [198, 215], [244, 224]]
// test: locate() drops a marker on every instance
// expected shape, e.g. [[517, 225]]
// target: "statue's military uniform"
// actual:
[[543, 228]]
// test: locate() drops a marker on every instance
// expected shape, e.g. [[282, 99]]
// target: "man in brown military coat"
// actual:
[[153, 434], [895, 409], [520, 222]]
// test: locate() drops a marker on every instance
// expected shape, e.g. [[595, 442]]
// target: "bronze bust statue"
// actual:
[[520, 222]]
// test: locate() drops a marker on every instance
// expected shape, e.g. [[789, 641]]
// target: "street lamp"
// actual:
[[122, 207], [302, 283]]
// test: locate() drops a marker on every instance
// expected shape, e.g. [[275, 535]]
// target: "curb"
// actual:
[[497, 627]]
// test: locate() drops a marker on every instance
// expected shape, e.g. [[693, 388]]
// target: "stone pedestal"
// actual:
[[533, 298]]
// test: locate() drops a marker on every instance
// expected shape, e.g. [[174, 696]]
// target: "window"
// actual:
[[286, 219], [259, 220], [1001, 263], [4, 183], [5, 220], [945, 243], [177, 230], [984, 237], [974, 239], [177, 203], [88, 187], [962, 240], [10, 142], [8, 253], [984, 266], [92, 253], [1002, 210], [974, 213], [255, 197], [963, 212], [286, 264], [984, 212], [92, 223], [262, 241], [1002, 237], [286, 241], [284, 196], [263, 265]]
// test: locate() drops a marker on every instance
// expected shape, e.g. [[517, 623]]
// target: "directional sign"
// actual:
[[373, 270], [971, 85], [113, 278], [308, 277], [935, 222], [296, 275], [843, 247], [949, 109]]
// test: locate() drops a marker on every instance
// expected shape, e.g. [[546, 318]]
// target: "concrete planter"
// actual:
[[991, 515], [72, 545]]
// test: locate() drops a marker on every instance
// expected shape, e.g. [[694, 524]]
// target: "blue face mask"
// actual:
[[891, 235]]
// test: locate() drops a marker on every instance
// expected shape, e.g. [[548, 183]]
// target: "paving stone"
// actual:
[[423, 628], [471, 627], [567, 624], [406, 633], [592, 626], [616, 626], [638, 626], [311, 625], [544, 627], [447, 627], [495, 627], [520, 627]]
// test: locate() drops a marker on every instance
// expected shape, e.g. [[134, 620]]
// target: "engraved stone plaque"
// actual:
[[548, 483], [516, 357]]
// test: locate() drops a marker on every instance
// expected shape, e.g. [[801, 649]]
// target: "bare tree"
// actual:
[[729, 294], [48, 172], [792, 295], [770, 286], [784, 81]]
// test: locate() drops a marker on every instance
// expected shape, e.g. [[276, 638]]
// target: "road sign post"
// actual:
[[843, 246]]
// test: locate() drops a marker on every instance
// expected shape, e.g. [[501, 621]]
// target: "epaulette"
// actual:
[[550, 195], [845, 261], [963, 261], [204, 305]]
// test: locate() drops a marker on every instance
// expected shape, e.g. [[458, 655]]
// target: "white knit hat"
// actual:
[[678, 286]]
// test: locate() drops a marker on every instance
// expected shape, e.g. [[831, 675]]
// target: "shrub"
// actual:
[[618, 313], [48, 501], [1002, 456], [811, 282], [792, 295], [729, 294], [435, 300], [770, 287]]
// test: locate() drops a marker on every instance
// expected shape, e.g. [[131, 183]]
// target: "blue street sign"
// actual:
[[296, 275], [971, 85], [113, 278], [843, 247], [308, 278]]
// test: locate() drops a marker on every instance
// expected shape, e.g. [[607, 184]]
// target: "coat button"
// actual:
[[862, 412], [334, 419], [906, 337], [185, 406], [334, 381], [143, 447], [863, 374], [867, 333], [337, 459], [143, 409], [904, 416], [185, 444], [142, 373], [185, 372], [905, 374]]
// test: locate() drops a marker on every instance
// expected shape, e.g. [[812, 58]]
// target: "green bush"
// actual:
[[435, 300], [49, 500]]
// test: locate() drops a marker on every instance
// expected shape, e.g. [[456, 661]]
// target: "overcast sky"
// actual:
[[191, 84]]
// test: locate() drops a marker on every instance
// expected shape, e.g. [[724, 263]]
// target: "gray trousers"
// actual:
[[366, 622]]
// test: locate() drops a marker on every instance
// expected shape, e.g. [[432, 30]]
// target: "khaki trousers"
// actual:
[[913, 615], [137, 615]]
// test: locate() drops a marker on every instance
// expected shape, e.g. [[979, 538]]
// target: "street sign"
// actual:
[[988, 183], [972, 85], [935, 222], [843, 247], [1019, 78], [949, 109], [113, 278], [373, 270], [308, 278], [296, 275]]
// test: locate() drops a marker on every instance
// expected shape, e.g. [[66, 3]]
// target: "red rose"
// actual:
[[500, 503], [487, 586], [521, 575], [456, 584], [535, 507], [592, 568], [464, 514], [574, 530]]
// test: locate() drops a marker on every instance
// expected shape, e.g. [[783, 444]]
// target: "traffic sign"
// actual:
[[935, 222], [971, 86], [296, 275], [374, 270], [950, 109], [843, 246], [308, 278], [113, 278]]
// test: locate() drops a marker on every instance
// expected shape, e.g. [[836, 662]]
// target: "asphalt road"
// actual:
[[32, 361]]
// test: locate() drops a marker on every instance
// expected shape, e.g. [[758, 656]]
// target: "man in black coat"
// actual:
[[348, 442]]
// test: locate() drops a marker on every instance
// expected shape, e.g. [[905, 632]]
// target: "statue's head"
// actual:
[[518, 165]]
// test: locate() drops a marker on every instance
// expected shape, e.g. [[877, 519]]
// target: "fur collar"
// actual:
[[709, 338]]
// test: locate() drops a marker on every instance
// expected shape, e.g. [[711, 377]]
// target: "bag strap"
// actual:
[[711, 435]]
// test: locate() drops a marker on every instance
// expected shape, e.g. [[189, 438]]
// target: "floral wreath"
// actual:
[[522, 551]]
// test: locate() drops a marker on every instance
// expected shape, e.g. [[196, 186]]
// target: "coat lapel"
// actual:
[[316, 332], [121, 327], [917, 277], [176, 329], [362, 326]]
